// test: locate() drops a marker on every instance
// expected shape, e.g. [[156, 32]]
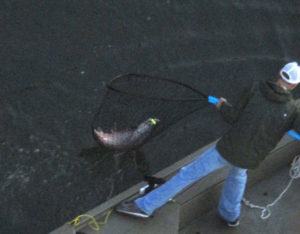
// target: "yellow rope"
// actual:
[[93, 223]]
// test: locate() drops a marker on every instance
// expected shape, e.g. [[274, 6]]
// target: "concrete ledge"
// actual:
[[100, 211], [190, 204]]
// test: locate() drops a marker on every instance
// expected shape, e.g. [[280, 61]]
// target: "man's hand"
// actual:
[[221, 100]]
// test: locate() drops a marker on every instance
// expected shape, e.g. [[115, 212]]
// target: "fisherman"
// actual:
[[260, 118]]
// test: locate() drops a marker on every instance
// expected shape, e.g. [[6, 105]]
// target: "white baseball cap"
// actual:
[[290, 73]]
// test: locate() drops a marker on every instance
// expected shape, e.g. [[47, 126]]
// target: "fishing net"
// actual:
[[131, 99]]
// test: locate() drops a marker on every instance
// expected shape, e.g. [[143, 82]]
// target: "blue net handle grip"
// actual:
[[293, 134], [213, 100]]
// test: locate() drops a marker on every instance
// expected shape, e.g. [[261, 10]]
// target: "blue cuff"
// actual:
[[213, 100], [293, 134]]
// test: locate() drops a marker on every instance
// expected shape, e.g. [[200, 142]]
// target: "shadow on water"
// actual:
[[122, 169], [120, 160]]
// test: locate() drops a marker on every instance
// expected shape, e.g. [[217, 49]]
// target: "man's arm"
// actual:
[[231, 113]]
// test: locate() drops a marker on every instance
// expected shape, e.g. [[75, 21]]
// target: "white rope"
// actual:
[[294, 174]]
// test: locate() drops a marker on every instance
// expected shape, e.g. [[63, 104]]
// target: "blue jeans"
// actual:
[[209, 161]]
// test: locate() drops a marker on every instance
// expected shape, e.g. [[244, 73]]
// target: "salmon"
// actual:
[[126, 139]]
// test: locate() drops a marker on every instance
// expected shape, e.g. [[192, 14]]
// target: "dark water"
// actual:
[[55, 58]]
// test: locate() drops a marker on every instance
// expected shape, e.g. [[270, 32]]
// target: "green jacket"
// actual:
[[263, 114]]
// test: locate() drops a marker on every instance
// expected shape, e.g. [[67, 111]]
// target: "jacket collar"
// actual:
[[274, 92]]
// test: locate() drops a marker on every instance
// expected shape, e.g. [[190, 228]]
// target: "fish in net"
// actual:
[[131, 100]]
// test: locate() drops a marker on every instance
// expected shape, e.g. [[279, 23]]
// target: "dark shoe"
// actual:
[[130, 208], [234, 223]]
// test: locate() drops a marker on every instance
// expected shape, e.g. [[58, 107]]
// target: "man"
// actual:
[[262, 115]]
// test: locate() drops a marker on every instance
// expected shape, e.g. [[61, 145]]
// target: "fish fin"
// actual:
[[98, 129], [114, 129]]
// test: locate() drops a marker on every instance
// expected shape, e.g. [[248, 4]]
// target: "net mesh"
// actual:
[[131, 99]]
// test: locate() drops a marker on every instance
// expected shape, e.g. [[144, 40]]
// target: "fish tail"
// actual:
[[97, 130]]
